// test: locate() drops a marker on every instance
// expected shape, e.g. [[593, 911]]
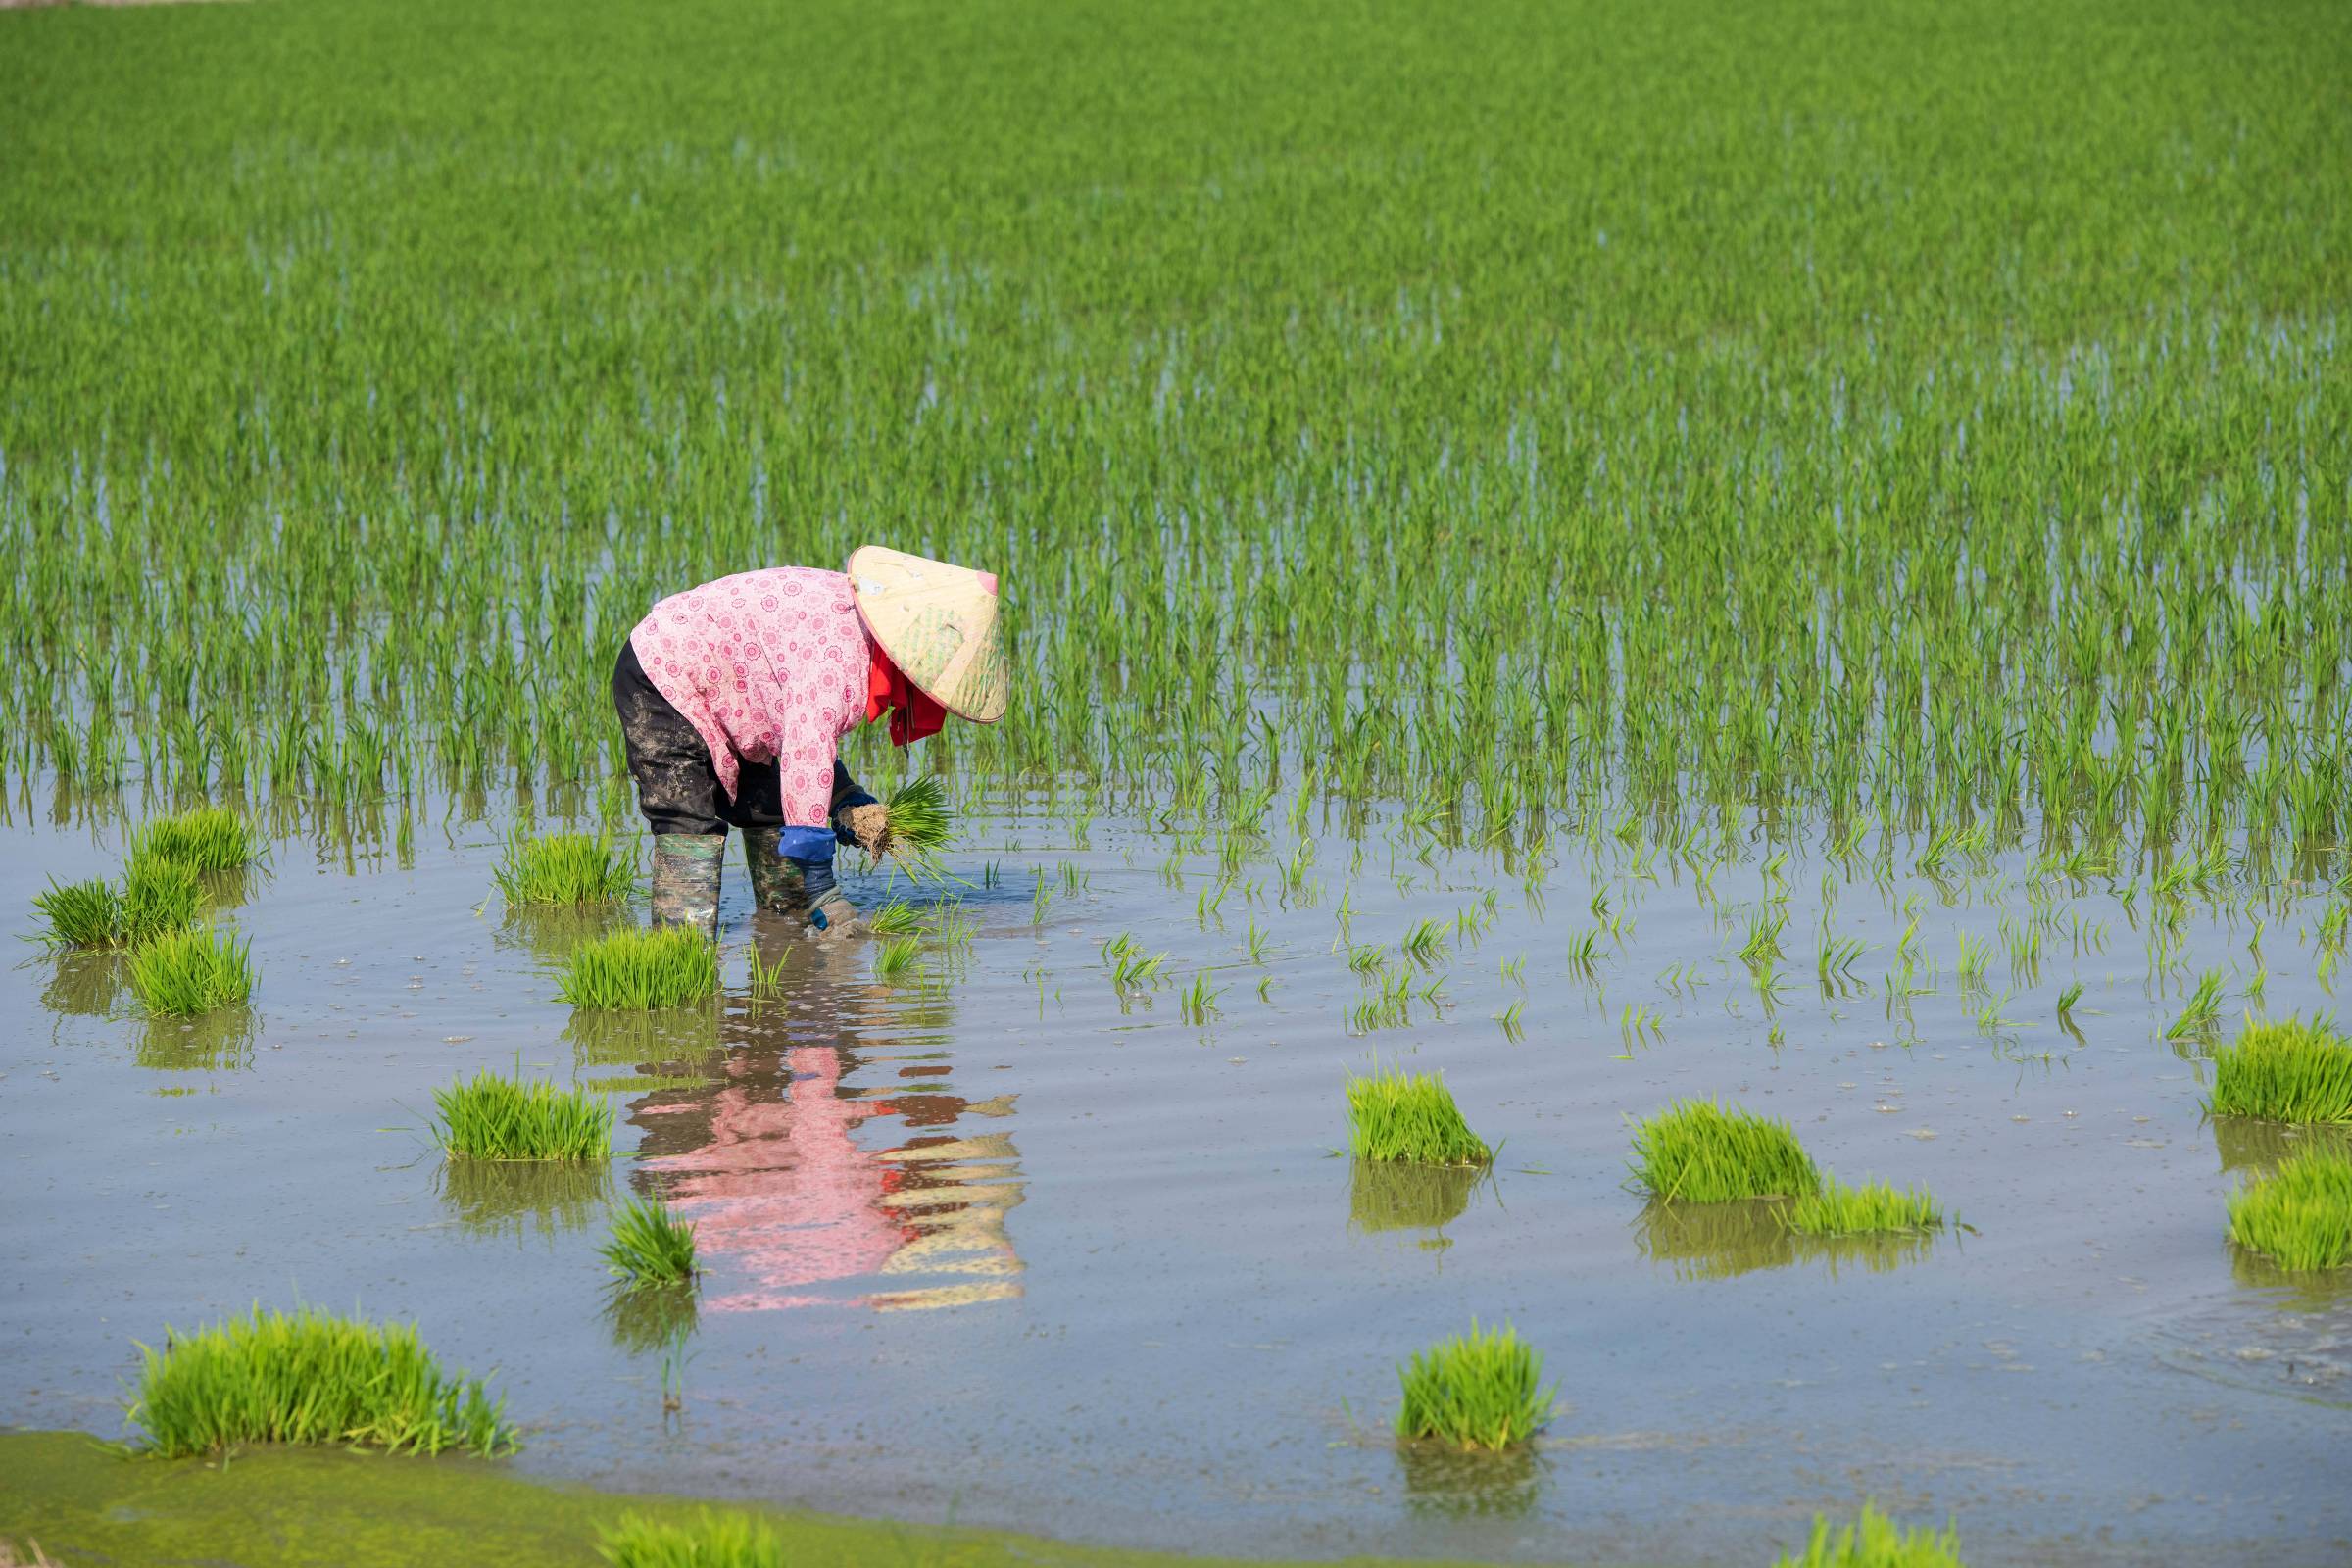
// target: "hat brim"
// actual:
[[937, 624]]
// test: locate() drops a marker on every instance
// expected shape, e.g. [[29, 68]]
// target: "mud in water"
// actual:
[[998, 1241]]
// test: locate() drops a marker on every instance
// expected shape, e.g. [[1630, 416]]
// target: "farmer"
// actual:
[[733, 697]]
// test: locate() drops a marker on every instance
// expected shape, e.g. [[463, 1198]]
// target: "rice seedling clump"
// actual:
[[1480, 1389], [1705, 1153], [157, 896], [493, 1117], [80, 915], [920, 826], [2285, 1071], [2300, 1215], [1874, 1540], [205, 838], [309, 1376], [563, 869], [715, 1539], [641, 970], [1836, 1210], [650, 1246], [1411, 1116], [191, 971]]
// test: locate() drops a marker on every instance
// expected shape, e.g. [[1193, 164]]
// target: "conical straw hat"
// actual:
[[937, 624]]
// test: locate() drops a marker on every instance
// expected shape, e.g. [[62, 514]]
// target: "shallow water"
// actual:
[[1007, 1247]]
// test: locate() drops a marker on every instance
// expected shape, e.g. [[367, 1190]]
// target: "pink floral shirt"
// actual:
[[766, 665]]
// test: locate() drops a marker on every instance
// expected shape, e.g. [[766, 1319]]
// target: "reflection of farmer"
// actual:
[[733, 697]]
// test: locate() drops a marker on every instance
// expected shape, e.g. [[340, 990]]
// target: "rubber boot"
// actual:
[[685, 889], [775, 881]]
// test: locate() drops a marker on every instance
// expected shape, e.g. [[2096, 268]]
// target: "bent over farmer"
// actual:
[[733, 697]]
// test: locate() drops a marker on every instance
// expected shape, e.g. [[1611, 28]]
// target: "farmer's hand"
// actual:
[[868, 827], [833, 918], [848, 798]]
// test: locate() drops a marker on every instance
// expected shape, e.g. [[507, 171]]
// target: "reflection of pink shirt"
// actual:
[[783, 1189], [766, 665]]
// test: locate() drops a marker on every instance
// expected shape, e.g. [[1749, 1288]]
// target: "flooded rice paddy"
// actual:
[[1012, 1246]]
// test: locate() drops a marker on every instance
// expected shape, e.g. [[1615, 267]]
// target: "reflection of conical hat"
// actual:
[[937, 624]]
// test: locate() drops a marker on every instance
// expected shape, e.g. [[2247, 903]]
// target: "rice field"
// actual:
[[1751, 592]]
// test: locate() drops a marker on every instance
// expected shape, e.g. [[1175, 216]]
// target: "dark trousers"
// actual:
[[677, 788]]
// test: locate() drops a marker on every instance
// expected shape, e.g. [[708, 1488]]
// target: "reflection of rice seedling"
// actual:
[[714, 1540], [1397, 1116], [1704, 1152], [2300, 1216], [2285, 1071], [1872, 1540], [1398, 1195], [1199, 1001], [654, 1318], [1424, 943], [640, 970], [520, 1198], [308, 1377], [191, 971], [1480, 1389], [765, 981], [1836, 1210], [490, 1117], [563, 869], [650, 1246], [205, 838], [896, 918], [897, 958]]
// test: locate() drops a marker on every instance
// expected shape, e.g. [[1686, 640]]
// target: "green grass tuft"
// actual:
[[716, 1540], [564, 868], [897, 956], [896, 918], [1397, 1116], [80, 915], [158, 896], [650, 1246], [1705, 1153], [309, 1376], [1838, 1209], [1872, 1540], [2285, 1071], [920, 826], [191, 971], [491, 1117], [2299, 1216], [1480, 1389], [641, 970], [205, 838]]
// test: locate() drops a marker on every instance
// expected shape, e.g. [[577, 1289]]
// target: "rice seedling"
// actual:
[[650, 1246], [2299, 1217], [2203, 1010], [493, 1117], [80, 915], [1836, 1210], [920, 828], [639, 970], [309, 1376], [715, 1538], [2289, 1070], [205, 838], [1482, 1390], [1394, 1115], [896, 918], [563, 869], [1700, 1151], [895, 959], [1872, 1540], [190, 971], [1199, 1001]]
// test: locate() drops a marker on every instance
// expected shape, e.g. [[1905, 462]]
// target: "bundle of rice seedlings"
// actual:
[[897, 958], [491, 1117], [311, 1377], [2300, 1215], [640, 970], [715, 1539], [80, 915], [205, 838], [1836, 1210], [1480, 1389], [157, 897], [2285, 1071], [919, 828], [1704, 1152], [1872, 1540], [191, 971], [896, 918], [563, 869], [650, 1246], [1412, 1117]]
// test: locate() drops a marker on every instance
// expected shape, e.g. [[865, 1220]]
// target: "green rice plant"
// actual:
[[717, 1539], [650, 1246], [640, 970], [494, 1117], [1397, 1116], [309, 1376], [1704, 1152], [2201, 1011], [563, 869], [159, 895], [204, 838], [1836, 1210], [2285, 1071], [897, 958], [2299, 1216], [1199, 1001], [190, 971], [896, 918], [1872, 1540], [1481, 1390], [920, 828], [80, 915]]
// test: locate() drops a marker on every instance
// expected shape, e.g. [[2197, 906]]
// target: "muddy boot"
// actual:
[[685, 889], [775, 881]]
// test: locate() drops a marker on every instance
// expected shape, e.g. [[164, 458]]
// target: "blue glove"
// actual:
[[847, 798]]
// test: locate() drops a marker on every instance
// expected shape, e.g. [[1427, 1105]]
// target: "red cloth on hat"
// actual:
[[913, 716]]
